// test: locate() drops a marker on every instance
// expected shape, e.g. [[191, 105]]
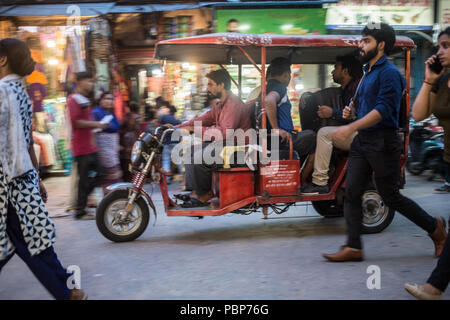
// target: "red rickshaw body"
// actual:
[[238, 188]]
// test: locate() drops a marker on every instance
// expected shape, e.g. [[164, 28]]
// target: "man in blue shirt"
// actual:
[[278, 110], [377, 147]]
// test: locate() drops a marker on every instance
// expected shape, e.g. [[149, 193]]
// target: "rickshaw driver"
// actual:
[[278, 109], [229, 113], [377, 147]]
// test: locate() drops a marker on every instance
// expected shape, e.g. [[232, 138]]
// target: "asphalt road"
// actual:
[[235, 256]]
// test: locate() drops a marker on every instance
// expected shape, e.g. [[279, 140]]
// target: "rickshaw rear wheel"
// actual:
[[376, 215]]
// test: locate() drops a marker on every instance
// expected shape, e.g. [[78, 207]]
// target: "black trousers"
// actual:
[[189, 178], [87, 165], [440, 277], [201, 174], [377, 151]]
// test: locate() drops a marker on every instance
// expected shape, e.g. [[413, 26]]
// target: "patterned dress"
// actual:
[[22, 191]]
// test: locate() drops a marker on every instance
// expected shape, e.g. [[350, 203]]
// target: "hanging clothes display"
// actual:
[[99, 52]]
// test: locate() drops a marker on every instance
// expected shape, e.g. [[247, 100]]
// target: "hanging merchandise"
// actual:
[[98, 44], [75, 51]]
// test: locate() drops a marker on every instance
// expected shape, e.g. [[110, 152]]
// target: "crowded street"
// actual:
[[234, 256], [203, 151]]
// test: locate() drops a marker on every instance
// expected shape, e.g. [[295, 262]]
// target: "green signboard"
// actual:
[[276, 21]]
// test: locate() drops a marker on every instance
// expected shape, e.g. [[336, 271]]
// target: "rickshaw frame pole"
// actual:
[[234, 81], [250, 58], [240, 80], [263, 97]]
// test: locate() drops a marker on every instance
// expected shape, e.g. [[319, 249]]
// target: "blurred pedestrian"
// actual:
[[84, 147], [108, 140], [377, 147], [168, 117], [434, 97], [131, 130], [25, 225]]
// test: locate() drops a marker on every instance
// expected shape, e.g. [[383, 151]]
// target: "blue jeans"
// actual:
[[166, 158], [45, 265]]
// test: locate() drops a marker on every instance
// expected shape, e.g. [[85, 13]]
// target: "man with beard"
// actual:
[[347, 72], [229, 113], [377, 146]]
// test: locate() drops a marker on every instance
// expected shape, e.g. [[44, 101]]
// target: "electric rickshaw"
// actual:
[[124, 213]]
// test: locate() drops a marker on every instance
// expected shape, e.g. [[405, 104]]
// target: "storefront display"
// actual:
[[444, 13], [277, 21], [401, 15]]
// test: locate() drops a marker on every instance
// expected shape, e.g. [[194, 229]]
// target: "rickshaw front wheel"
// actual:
[[113, 222]]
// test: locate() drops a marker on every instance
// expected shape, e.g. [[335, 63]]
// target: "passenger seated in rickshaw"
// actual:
[[315, 114], [229, 113], [278, 109]]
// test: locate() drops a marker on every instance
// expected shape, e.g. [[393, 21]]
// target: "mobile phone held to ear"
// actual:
[[436, 66]]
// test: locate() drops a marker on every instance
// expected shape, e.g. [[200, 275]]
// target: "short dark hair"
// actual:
[[165, 103], [232, 20], [352, 64], [133, 106], [83, 75], [220, 76], [102, 95], [278, 66], [19, 56], [381, 32], [445, 31]]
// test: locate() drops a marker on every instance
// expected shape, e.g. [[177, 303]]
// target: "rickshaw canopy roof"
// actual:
[[222, 48]]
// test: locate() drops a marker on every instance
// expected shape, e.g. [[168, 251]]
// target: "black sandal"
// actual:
[[182, 196], [193, 203]]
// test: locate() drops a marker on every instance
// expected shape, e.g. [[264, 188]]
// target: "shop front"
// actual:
[[61, 45]]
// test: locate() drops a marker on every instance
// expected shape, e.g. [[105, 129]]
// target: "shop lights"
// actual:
[[286, 27], [51, 44], [157, 73], [244, 27], [299, 87], [53, 62]]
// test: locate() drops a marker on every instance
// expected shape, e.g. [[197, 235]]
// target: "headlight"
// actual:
[[136, 153]]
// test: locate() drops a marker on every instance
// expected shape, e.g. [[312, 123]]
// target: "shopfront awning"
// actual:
[[93, 9], [43, 10]]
